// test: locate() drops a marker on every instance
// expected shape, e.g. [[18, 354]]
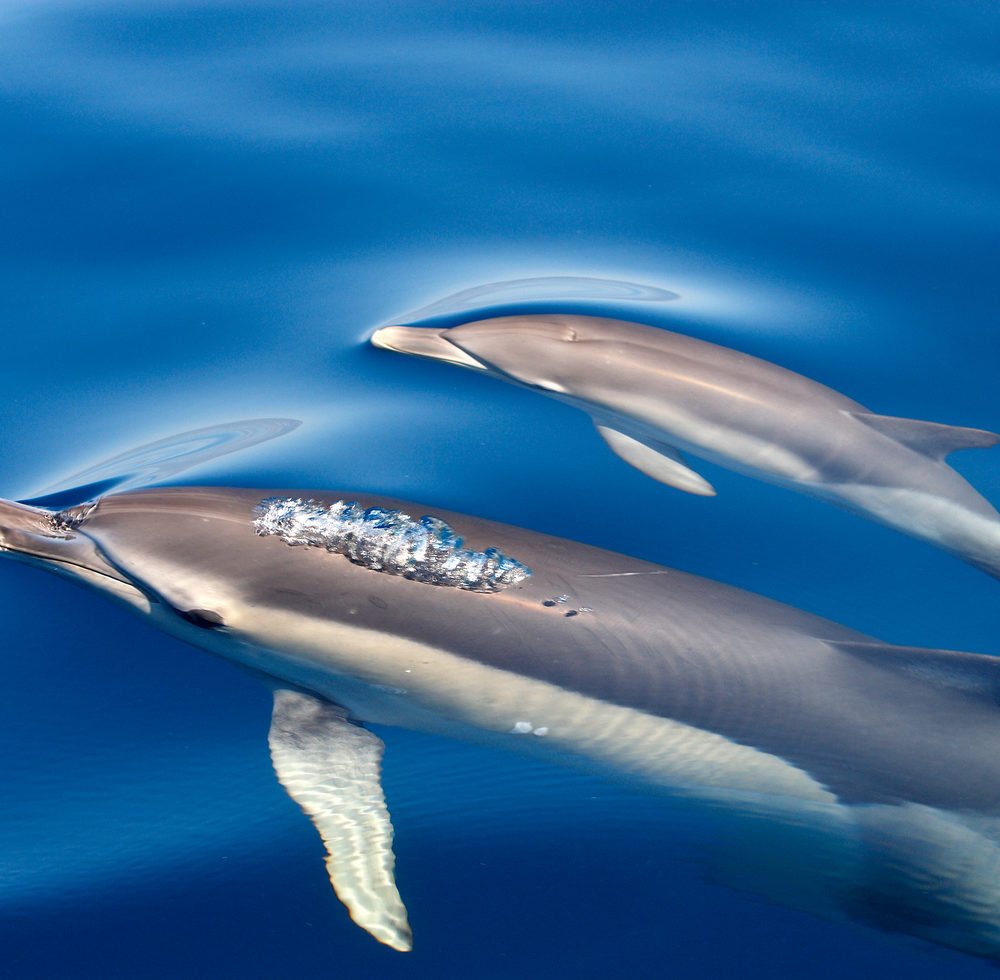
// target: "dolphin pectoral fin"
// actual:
[[331, 768], [930, 438], [663, 463], [974, 675]]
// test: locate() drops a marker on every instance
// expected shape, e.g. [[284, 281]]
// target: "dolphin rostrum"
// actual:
[[653, 394], [861, 778]]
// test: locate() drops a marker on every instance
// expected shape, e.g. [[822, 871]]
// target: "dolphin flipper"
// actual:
[[930, 438], [660, 461], [331, 768]]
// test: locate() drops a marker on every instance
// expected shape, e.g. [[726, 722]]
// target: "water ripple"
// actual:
[[545, 289], [154, 462]]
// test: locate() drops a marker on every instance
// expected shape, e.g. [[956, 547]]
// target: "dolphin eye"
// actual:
[[203, 618]]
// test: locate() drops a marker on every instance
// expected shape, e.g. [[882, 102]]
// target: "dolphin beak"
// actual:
[[424, 342], [49, 540], [31, 532]]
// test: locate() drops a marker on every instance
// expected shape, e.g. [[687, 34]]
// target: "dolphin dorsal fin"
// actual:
[[972, 674], [930, 438], [656, 459], [332, 769]]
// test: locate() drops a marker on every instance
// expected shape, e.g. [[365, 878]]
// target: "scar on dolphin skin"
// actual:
[[622, 574]]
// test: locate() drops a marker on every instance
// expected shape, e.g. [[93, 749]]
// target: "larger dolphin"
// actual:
[[862, 778], [653, 394]]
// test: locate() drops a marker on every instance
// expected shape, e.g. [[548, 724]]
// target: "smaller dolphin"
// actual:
[[653, 394]]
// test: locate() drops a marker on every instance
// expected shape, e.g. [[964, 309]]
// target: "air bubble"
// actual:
[[424, 550]]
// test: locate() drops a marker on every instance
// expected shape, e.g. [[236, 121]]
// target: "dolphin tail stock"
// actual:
[[928, 870], [901, 868], [931, 500]]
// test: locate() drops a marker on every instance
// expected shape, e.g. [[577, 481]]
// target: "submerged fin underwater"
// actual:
[[512, 696]]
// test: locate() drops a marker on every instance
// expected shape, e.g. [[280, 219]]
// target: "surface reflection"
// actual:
[[544, 289], [154, 462]]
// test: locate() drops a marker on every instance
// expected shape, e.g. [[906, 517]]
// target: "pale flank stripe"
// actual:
[[420, 686]]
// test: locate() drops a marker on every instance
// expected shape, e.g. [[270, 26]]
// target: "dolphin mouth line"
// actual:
[[53, 539], [432, 345], [425, 342], [82, 570]]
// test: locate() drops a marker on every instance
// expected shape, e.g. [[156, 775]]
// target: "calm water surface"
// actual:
[[208, 207]]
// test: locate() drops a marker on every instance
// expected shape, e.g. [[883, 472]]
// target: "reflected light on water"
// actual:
[[545, 289], [154, 462]]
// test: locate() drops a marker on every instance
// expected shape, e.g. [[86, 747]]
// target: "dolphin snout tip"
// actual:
[[383, 337], [423, 342], [26, 530]]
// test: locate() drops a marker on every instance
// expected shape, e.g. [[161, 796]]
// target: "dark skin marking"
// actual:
[[203, 618]]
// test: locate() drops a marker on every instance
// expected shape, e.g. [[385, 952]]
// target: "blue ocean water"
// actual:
[[208, 208]]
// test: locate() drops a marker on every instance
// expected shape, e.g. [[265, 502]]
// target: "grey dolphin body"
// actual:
[[653, 393], [862, 779]]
